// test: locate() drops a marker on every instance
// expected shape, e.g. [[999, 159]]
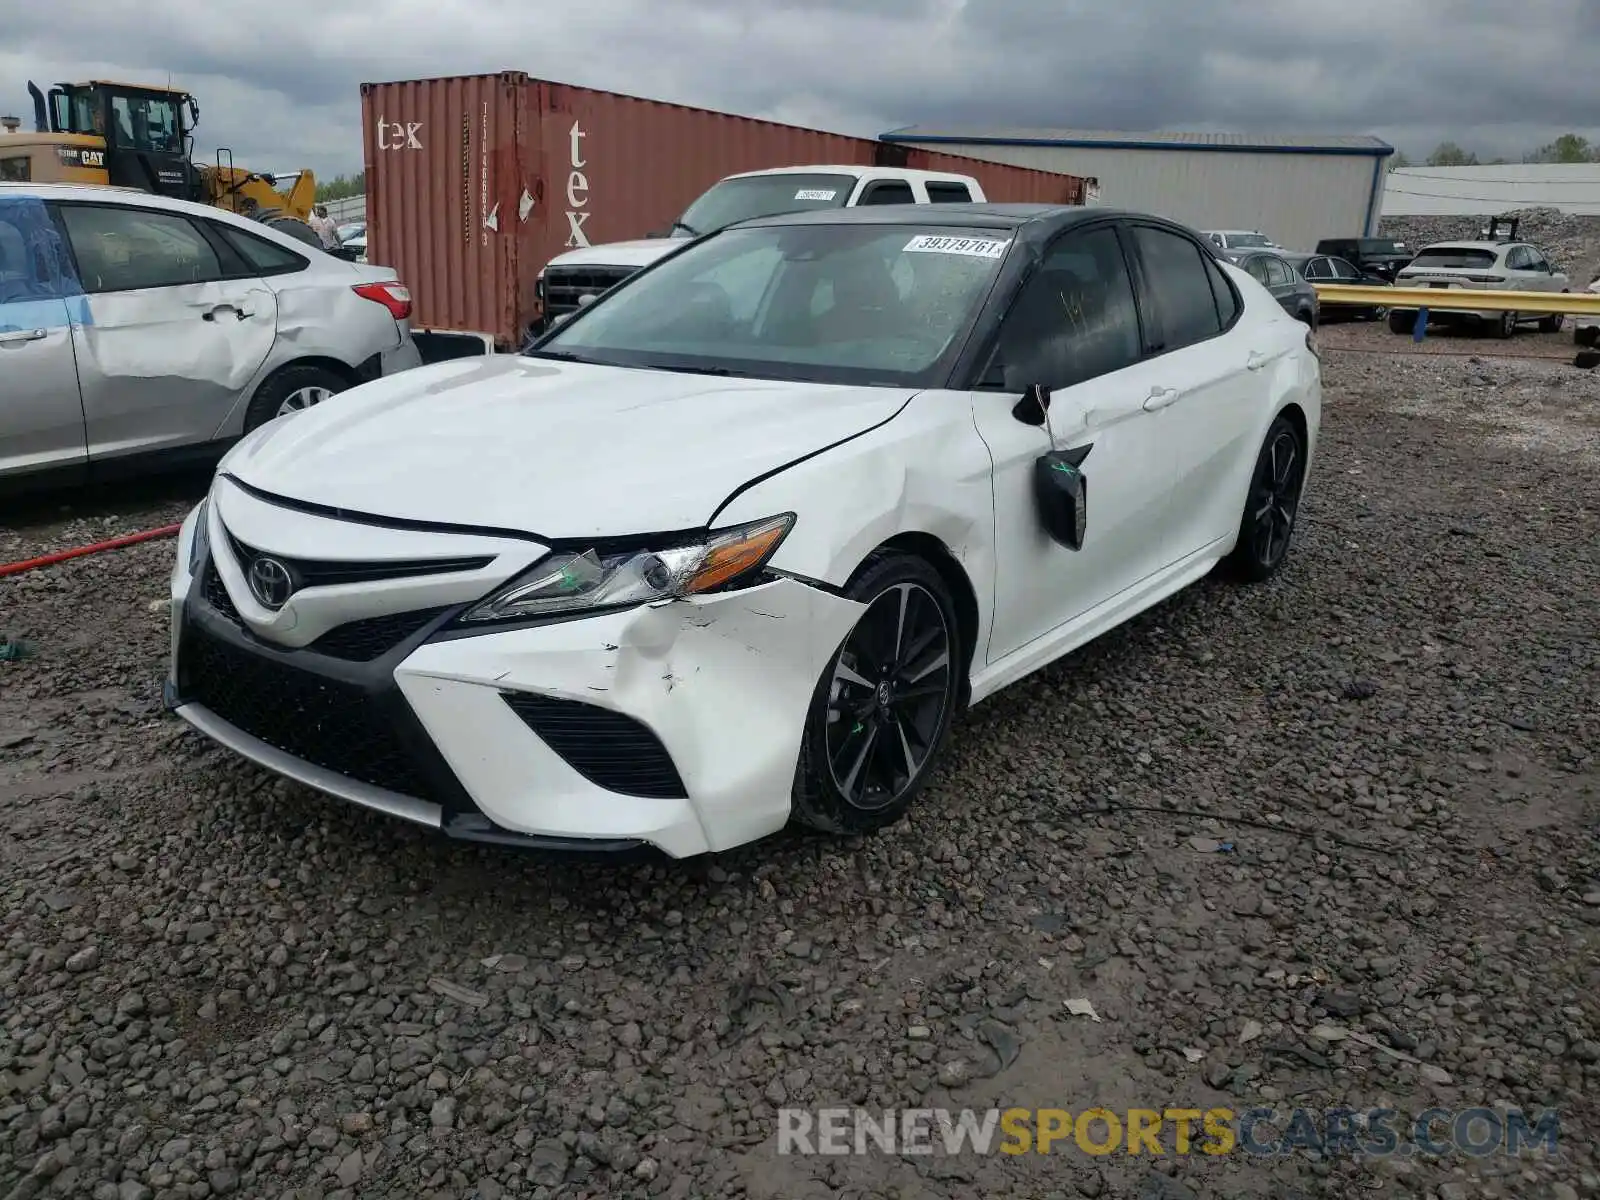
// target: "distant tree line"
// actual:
[[1568, 148], [341, 187]]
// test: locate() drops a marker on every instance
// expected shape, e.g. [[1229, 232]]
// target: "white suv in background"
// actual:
[[1480, 266], [1241, 239]]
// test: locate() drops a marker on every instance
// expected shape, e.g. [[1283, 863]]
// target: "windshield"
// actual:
[[763, 196], [1243, 240], [851, 304], [147, 123], [1446, 257]]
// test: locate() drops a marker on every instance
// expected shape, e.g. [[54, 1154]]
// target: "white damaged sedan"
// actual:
[[733, 545]]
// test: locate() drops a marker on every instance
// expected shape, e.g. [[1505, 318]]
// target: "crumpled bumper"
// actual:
[[676, 725]]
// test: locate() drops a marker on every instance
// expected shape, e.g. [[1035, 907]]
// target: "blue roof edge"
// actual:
[[1381, 150]]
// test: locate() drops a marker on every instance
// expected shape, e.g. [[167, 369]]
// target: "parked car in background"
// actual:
[[1323, 268], [351, 229], [1273, 271], [1240, 239], [1382, 257], [1497, 266], [1586, 329], [136, 329], [869, 431], [578, 276]]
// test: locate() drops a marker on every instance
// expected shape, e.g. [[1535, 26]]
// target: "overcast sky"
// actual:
[[279, 82]]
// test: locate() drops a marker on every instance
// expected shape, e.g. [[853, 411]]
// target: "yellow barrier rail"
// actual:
[[1460, 299]]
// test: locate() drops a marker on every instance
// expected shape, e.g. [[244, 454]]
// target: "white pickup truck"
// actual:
[[573, 279]]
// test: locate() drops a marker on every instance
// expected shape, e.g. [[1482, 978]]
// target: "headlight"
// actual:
[[567, 582], [201, 542]]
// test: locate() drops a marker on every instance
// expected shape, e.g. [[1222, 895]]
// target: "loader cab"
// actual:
[[147, 138]]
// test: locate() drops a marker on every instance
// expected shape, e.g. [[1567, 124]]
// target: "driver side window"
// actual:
[[1075, 318]]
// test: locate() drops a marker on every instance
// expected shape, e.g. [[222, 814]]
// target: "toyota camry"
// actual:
[[731, 546]]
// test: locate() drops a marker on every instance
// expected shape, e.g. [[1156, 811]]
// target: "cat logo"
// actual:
[[72, 156]]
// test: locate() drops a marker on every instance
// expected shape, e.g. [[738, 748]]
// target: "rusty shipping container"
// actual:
[[475, 182]]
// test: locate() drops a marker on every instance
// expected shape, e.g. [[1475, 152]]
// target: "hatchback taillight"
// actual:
[[394, 296], [1487, 278]]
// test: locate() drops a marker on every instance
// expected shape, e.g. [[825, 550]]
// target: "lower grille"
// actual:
[[217, 595], [609, 749], [320, 721], [373, 637], [565, 287]]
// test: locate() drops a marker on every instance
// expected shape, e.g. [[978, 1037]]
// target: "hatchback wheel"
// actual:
[[1553, 322], [1506, 325], [1267, 526], [882, 710], [292, 390], [1400, 322]]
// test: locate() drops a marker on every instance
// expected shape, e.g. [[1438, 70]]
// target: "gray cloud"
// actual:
[[279, 83]]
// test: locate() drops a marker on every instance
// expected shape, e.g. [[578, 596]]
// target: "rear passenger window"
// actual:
[[1177, 289], [123, 248], [266, 257], [14, 170], [949, 193], [888, 191]]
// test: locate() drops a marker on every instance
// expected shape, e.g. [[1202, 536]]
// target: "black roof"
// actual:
[[957, 216]]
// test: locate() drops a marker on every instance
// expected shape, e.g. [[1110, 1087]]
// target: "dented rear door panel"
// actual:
[[161, 367]]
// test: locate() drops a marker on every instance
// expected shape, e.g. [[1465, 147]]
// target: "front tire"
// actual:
[[1400, 322], [1553, 322], [1272, 504], [882, 711]]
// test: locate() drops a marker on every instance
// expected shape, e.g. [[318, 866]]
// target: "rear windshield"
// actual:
[[1381, 246], [763, 196], [1246, 240], [1446, 257]]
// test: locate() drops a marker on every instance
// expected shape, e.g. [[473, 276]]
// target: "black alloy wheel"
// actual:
[[1267, 526], [884, 705]]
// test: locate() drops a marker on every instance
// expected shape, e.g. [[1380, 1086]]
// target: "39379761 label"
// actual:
[[972, 247]]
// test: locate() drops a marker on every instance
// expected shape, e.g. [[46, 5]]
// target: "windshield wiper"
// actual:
[[689, 229], [695, 370], [558, 355]]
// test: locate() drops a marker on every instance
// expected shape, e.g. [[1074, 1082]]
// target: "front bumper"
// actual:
[[675, 725]]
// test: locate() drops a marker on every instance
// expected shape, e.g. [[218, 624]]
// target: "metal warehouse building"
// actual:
[[1295, 190]]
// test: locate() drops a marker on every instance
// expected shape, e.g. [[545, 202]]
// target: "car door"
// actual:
[[41, 413], [1549, 279], [1214, 378], [1073, 327], [180, 327]]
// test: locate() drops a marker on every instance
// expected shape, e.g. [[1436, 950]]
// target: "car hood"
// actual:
[[560, 450], [619, 254]]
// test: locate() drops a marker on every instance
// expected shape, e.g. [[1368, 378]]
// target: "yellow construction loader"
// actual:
[[136, 136]]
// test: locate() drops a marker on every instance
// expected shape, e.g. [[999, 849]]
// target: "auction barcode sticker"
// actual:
[[928, 243], [815, 194]]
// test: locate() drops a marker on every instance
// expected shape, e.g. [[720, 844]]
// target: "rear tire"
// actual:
[[1505, 326], [1400, 322], [293, 227], [292, 389], [1272, 505], [882, 711]]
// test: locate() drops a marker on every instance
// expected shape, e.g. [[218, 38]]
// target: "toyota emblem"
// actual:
[[271, 583]]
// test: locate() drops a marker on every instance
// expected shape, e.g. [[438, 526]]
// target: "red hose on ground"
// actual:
[[47, 560]]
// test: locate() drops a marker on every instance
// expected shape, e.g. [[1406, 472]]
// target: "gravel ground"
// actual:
[[215, 983]]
